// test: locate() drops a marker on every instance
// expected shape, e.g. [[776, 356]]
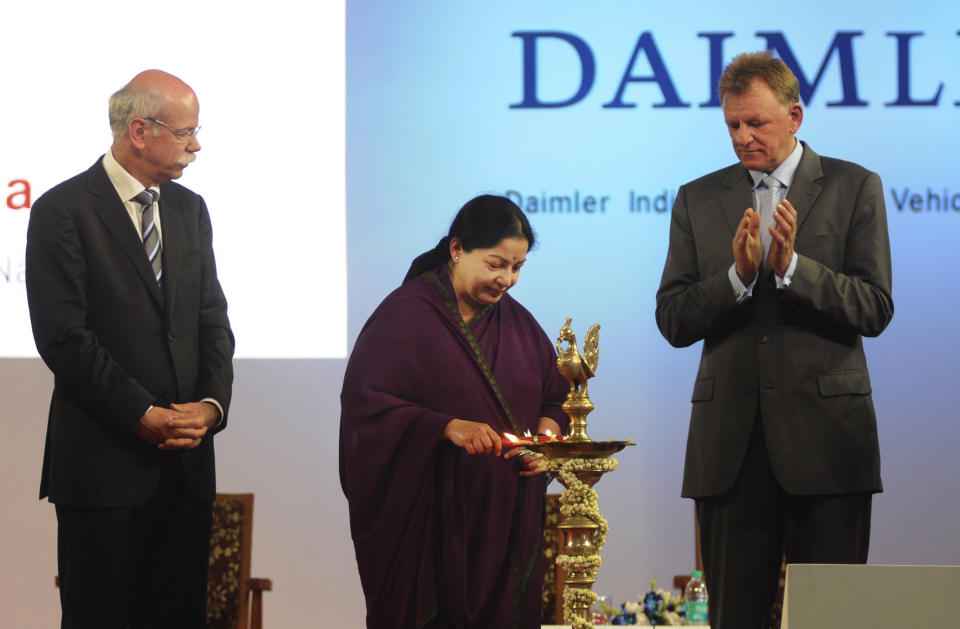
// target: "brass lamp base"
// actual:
[[579, 463]]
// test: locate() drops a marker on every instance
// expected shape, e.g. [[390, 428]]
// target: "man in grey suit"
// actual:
[[128, 314], [782, 451]]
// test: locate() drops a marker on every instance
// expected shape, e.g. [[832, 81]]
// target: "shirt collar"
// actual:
[[784, 172], [123, 182]]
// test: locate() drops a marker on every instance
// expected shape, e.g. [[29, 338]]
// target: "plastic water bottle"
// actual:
[[696, 599]]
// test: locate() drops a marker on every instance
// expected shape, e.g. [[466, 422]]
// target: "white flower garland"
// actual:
[[578, 498], [582, 596]]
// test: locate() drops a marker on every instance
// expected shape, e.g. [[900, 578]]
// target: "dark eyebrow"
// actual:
[[502, 259]]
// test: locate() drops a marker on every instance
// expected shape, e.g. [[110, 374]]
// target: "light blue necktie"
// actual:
[[770, 193]]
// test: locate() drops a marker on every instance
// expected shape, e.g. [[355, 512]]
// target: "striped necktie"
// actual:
[[151, 238]]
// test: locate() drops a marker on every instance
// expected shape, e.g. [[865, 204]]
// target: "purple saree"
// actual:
[[444, 538]]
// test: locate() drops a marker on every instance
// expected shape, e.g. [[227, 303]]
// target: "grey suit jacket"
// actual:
[[117, 343], [794, 355]]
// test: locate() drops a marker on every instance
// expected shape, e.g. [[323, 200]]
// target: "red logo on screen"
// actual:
[[18, 195]]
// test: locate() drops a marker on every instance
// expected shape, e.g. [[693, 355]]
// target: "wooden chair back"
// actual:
[[234, 600]]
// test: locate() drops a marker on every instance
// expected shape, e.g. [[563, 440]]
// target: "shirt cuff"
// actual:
[[741, 292], [210, 400], [784, 282]]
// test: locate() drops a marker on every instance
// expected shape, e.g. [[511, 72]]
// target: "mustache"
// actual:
[[186, 159]]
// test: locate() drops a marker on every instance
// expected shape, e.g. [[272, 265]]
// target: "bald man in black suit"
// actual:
[[142, 362]]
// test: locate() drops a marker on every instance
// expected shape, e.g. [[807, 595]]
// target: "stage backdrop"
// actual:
[[590, 116]]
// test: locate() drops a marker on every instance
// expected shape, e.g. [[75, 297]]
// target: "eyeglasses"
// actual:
[[183, 135]]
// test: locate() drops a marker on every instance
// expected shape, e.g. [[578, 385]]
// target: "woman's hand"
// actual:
[[526, 464], [474, 437]]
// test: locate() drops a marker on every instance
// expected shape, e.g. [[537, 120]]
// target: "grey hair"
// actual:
[[131, 102]]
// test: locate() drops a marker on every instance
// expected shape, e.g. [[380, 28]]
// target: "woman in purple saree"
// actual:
[[447, 527]]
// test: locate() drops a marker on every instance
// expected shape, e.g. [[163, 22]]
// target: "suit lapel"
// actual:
[[171, 223], [109, 208], [804, 190], [736, 196]]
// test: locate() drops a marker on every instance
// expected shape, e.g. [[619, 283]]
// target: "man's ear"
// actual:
[[138, 129], [796, 117]]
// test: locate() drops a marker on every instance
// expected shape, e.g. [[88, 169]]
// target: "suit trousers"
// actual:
[[140, 568], [745, 532]]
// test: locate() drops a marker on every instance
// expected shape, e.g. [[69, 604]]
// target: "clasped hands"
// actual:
[[180, 427], [747, 250], [480, 438]]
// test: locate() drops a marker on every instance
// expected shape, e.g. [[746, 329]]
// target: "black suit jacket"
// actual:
[[117, 343], [795, 354]]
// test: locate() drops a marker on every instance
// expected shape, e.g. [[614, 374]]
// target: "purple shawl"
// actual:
[[441, 535]]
